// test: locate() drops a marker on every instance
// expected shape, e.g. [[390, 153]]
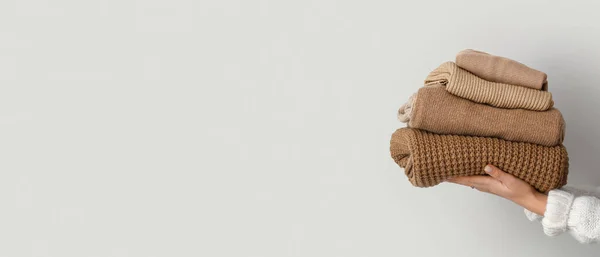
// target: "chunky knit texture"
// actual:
[[576, 210], [500, 69], [466, 85], [436, 110], [428, 158]]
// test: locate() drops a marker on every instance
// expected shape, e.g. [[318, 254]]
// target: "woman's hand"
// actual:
[[508, 186]]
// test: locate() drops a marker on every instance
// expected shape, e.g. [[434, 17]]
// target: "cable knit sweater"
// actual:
[[574, 210]]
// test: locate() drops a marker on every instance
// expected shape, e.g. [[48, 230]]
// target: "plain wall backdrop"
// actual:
[[261, 128]]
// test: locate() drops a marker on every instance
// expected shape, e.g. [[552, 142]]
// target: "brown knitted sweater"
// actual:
[[436, 110], [462, 83], [501, 69], [428, 159]]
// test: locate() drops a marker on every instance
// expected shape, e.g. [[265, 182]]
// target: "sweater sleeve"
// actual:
[[565, 211], [584, 219], [535, 217]]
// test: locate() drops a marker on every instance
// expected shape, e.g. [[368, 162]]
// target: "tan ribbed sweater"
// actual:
[[500, 69], [466, 85], [435, 109], [428, 159]]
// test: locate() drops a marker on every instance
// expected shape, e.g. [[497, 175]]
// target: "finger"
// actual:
[[498, 174], [472, 181], [481, 183]]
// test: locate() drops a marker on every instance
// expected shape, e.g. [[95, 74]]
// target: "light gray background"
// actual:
[[261, 128]]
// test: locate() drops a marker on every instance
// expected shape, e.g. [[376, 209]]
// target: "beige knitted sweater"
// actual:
[[466, 85], [435, 109], [501, 69]]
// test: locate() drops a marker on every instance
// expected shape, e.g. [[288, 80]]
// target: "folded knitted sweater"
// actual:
[[501, 69], [428, 159], [434, 109], [462, 83]]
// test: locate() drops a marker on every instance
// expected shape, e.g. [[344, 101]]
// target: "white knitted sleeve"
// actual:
[[535, 217], [571, 211], [584, 219], [573, 190], [557, 212]]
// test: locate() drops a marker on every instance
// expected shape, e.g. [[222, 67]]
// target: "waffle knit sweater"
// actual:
[[500, 69], [436, 110], [462, 83], [428, 159], [571, 210]]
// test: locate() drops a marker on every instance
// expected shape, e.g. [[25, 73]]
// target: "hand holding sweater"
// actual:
[[507, 186], [562, 210]]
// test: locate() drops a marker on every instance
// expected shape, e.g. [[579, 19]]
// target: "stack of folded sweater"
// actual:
[[483, 109]]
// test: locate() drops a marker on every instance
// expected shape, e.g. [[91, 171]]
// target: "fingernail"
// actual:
[[488, 169]]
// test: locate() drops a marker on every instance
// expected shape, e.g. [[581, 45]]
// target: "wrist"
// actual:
[[534, 202]]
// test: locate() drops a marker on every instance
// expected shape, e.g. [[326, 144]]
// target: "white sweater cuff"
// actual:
[[557, 212]]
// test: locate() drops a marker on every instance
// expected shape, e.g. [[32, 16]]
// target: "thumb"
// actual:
[[498, 174]]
